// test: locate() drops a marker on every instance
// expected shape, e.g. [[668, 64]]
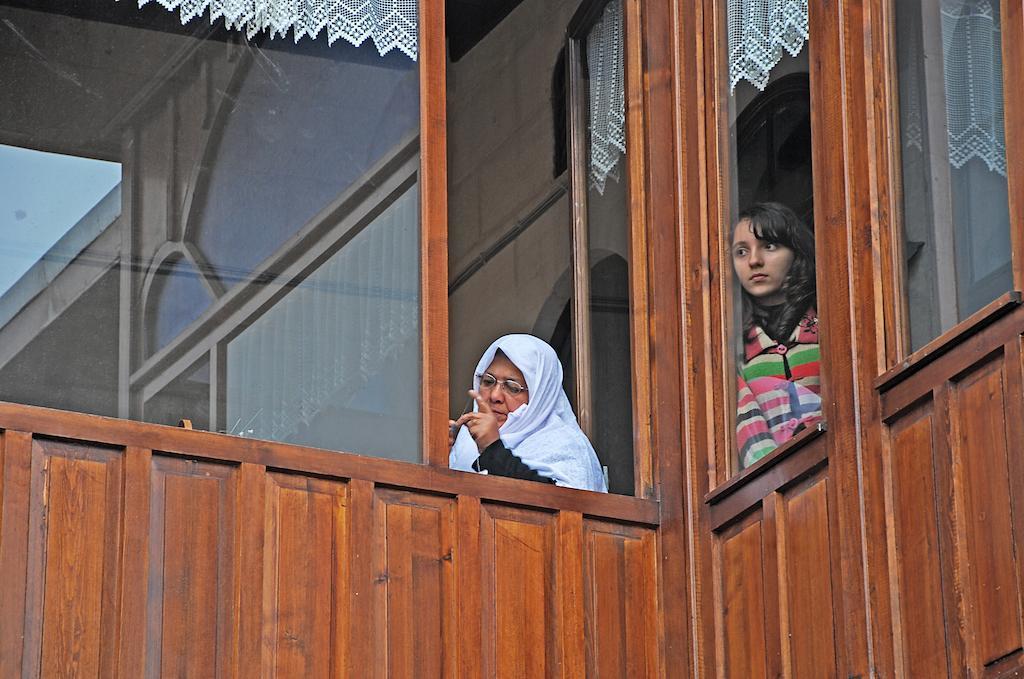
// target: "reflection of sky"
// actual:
[[42, 195]]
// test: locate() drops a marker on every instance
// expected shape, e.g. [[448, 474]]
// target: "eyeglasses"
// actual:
[[511, 387]]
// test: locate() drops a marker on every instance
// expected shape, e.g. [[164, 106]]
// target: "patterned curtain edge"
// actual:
[[392, 24]]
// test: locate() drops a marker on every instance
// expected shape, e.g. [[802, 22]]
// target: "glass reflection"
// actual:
[[169, 193]]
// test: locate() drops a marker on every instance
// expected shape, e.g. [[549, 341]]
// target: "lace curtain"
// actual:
[[973, 67], [760, 31], [392, 24], [607, 96]]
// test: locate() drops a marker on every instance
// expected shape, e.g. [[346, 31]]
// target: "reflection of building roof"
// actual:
[[71, 247]]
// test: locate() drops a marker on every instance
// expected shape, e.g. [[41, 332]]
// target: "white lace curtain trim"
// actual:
[[607, 96], [760, 32], [973, 67], [392, 24]]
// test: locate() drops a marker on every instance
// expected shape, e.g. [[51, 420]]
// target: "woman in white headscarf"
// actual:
[[522, 424]]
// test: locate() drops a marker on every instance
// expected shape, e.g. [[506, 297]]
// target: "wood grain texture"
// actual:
[[743, 647], [518, 582], [805, 570], [418, 572], [620, 601], [190, 624], [433, 232], [76, 520], [640, 312], [233, 449], [987, 567], [17, 466], [572, 643], [305, 577], [131, 644], [1012, 28], [914, 561]]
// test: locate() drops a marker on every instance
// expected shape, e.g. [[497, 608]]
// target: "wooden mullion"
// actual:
[[640, 320], [884, 165], [433, 234], [581, 337], [1012, 27]]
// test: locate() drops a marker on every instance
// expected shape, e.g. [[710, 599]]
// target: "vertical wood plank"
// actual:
[[418, 532], [249, 555], [131, 646], [14, 548], [71, 584], [776, 605], [620, 601], [304, 579], [917, 595], [520, 634], [642, 620], [806, 566], [570, 587], [469, 565], [434, 232], [1012, 27], [643, 471], [366, 654], [987, 564], [743, 613], [191, 621]]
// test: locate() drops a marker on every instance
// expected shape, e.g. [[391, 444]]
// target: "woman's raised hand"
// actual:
[[482, 425]]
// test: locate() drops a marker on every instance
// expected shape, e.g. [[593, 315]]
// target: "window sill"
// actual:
[[779, 468], [948, 340]]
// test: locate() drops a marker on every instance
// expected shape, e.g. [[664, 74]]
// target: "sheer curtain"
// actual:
[[607, 96], [760, 32], [973, 69]]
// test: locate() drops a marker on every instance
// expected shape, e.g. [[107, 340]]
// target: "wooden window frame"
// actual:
[[633, 164], [895, 354], [724, 472]]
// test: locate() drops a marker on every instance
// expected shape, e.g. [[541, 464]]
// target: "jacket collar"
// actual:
[[805, 332]]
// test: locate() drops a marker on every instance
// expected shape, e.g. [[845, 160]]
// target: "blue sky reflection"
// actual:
[[43, 195]]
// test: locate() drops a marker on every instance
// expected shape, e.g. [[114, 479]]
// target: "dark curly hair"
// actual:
[[776, 223]]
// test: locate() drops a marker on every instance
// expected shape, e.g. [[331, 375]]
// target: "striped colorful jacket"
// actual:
[[779, 389]]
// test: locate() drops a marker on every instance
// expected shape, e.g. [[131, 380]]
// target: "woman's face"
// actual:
[[502, 403], [761, 266]]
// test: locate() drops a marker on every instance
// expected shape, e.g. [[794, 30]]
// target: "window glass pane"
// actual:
[[334, 363], [956, 221], [510, 221], [611, 392], [210, 227], [769, 242]]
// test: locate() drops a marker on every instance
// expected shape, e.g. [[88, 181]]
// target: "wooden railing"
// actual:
[[135, 550]]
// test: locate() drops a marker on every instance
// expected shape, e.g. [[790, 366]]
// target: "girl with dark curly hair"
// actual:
[[779, 381]]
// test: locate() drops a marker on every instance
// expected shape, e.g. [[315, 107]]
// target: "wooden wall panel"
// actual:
[[518, 576], [74, 519], [305, 577], [191, 614], [124, 562], [987, 565], [741, 607], [17, 465], [914, 553], [417, 573], [805, 563], [620, 601]]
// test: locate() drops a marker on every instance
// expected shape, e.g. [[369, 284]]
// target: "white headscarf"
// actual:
[[543, 433]]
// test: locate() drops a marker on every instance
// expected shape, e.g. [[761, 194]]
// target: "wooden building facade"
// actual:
[[884, 541]]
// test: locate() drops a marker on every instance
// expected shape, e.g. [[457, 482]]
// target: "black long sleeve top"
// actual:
[[498, 460]]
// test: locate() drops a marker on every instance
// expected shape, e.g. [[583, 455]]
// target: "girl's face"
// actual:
[[761, 266]]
